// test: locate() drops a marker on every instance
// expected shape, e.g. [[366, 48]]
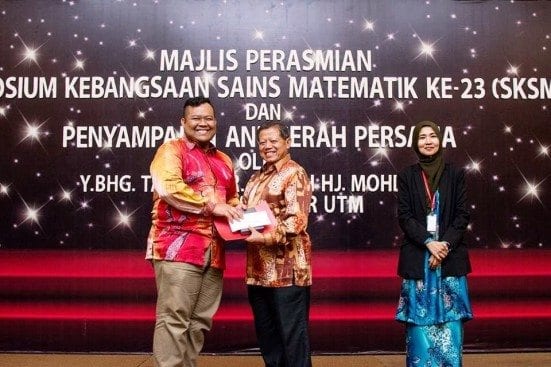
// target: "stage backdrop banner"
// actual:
[[90, 89]]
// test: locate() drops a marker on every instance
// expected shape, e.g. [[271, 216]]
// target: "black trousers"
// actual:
[[281, 323]]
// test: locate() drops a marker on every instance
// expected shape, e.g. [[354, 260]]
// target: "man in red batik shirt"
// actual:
[[193, 182]]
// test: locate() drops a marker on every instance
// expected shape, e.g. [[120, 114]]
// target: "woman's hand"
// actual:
[[438, 249], [433, 262]]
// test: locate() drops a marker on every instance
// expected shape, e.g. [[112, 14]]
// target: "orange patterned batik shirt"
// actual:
[[285, 258]]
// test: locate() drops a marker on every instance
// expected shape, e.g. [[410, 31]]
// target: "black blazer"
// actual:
[[412, 217]]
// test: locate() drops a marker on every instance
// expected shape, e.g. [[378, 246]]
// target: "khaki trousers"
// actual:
[[187, 298]]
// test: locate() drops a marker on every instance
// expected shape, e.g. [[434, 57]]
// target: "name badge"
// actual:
[[432, 223]]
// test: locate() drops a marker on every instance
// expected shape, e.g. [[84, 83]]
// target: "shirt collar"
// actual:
[[277, 165], [191, 145]]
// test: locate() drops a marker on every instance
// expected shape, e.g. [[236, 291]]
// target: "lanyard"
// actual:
[[430, 196]]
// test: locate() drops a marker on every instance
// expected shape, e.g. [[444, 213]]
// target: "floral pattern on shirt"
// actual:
[[285, 259]]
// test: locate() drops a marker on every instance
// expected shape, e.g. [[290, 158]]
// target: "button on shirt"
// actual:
[[285, 259], [185, 180]]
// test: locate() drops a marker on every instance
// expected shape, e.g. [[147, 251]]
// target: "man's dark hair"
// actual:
[[283, 129], [196, 101]]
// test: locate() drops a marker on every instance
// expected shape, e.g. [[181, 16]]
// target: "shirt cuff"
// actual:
[[267, 239], [208, 208]]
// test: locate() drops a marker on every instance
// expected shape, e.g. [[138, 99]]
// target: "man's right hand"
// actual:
[[228, 211]]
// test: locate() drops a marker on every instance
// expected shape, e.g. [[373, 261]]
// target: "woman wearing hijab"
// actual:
[[433, 261]]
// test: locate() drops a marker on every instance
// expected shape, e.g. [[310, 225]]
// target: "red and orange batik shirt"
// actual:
[[285, 258], [187, 182]]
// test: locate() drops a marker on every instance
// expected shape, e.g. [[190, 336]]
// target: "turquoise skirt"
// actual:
[[434, 309]]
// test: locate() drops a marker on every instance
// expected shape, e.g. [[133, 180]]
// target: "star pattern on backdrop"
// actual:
[[502, 143]]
